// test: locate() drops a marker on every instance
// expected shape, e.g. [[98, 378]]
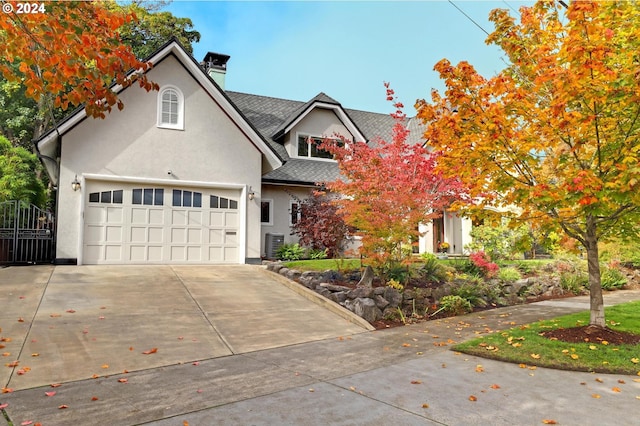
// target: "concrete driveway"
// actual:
[[69, 323]]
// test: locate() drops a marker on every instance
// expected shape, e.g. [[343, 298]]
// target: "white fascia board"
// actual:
[[337, 109]]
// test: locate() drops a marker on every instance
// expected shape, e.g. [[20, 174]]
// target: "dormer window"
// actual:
[[170, 108], [308, 147]]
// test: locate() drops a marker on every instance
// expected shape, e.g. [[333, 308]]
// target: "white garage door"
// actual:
[[146, 224]]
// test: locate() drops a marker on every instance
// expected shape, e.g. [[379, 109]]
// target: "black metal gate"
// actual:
[[26, 233]]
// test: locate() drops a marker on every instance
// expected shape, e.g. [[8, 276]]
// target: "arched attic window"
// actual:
[[170, 108]]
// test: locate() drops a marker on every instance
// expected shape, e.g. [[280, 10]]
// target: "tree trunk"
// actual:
[[595, 286]]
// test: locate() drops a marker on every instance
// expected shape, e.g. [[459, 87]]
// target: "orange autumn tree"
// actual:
[[69, 53], [556, 133], [388, 188]]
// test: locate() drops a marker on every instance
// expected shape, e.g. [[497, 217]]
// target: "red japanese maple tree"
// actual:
[[388, 188]]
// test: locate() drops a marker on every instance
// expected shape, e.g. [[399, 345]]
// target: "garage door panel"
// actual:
[[93, 253], [138, 234], [138, 253], [95, 214], [113, 253], [194, 236], [178, 217], [156, 235], [155, 253], [94, 233], [230, 254], [139, 216], [216, 254], [113, 234], [195, 218], [114, 214], [194, 253], [216, 236], [231, 219], [156, 216], [202, 227], [216, 218]]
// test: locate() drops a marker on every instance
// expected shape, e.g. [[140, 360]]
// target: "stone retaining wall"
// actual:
[[375, 303]]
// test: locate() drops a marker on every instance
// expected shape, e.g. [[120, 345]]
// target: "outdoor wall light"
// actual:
[[75, 184], [252, 194]]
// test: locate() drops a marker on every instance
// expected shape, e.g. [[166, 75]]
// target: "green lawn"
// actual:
[[324, 264], [524, 345]]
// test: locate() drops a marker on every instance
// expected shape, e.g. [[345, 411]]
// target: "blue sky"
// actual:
[[346, 49]]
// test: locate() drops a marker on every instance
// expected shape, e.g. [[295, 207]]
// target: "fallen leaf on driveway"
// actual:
[[50, 393], [3, 406], [472, 398], [494, 386], [35, 354], [616, 389], [71, 311], [54, 315], [26, 423], [7, 390], [595, 395], [62, 407], [20, 319], [549, 422], [94, 398], [105, 366], [55, 385], [416, 382], [13, 364], [123, 380], [150, 351]]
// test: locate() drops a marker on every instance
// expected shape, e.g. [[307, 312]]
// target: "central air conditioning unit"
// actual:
[[273, 242]]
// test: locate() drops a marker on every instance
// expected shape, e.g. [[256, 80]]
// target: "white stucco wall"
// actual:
[[281, 199], [211, 148]]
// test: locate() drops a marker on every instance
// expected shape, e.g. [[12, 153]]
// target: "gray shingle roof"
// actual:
[[302, 171], [270, 116]]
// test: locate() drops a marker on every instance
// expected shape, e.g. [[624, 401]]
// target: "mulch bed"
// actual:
[[592, 334]]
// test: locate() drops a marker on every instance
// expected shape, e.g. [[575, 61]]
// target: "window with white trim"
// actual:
[[170, 108], [308, 147]]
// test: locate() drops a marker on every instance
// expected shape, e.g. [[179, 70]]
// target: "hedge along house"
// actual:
[[194, 174]]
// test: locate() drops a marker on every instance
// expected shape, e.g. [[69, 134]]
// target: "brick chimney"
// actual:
[[215, 64]]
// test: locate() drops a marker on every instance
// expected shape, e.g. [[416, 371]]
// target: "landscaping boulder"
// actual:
[[334, 288], [393, 296], [361, 292], [367, 309], [331, 275], [381, 302]]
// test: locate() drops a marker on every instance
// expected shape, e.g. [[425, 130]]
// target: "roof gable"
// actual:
[[319, 101], [48, 144]]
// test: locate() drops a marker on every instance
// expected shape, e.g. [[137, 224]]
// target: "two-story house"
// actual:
[[194, 174]]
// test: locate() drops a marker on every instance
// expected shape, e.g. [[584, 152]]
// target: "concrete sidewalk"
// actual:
[[404, 375]]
